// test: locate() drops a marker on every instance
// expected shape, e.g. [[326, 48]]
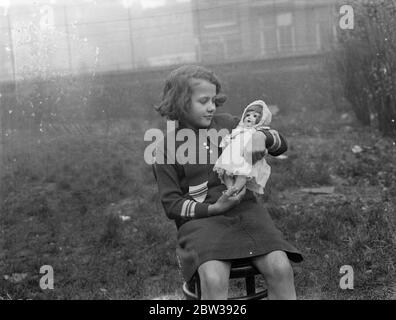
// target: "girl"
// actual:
[[215, 227], [233, 168]]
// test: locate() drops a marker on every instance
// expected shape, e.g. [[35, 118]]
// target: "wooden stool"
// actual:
[[239, 269]]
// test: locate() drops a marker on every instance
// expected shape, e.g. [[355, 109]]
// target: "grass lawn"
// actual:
[[86, 204]]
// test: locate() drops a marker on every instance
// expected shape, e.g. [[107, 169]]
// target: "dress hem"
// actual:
[[293, 255]]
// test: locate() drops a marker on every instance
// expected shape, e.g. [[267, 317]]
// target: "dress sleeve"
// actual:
[[275, 143], [171, 196]]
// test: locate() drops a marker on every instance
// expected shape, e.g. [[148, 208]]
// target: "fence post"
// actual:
[[131, 38], [69, 54], [12, 52], [2, 151]]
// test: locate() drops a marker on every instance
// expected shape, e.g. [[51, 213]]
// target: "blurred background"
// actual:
[[78, 82], [82, 60], [86, 36]]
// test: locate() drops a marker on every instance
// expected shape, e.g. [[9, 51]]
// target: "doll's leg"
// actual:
[[240, 182], [228, 181]]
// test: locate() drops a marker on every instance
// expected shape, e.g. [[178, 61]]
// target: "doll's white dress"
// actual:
[[232, 161]]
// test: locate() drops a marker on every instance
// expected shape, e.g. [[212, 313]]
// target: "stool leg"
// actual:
[[198, 285], [191, 286], [250, 285]]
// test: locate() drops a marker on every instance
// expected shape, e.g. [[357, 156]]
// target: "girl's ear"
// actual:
[[220, 99]]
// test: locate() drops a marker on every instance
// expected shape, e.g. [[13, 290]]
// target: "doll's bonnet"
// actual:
[[258, 106]]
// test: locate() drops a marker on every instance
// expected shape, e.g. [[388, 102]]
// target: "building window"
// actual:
[[284, 19], [268, 41], [267, 36], [285, 33]]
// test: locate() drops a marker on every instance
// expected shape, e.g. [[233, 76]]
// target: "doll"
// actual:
[[233, 167]]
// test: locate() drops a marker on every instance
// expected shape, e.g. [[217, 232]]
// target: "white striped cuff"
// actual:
[[188, 209], [277, 141]]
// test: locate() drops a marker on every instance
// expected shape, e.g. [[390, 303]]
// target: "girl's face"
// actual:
[[203, 106], [251, 118]]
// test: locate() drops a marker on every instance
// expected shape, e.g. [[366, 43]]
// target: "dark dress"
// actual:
[[186, 191]]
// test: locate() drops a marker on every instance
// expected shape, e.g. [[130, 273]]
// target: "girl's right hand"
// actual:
[[226, 202]]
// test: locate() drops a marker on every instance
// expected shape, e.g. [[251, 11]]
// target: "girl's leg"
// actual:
[[214, 276], [278, 274]]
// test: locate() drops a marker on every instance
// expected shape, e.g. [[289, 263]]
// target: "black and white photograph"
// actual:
[[165, 150]]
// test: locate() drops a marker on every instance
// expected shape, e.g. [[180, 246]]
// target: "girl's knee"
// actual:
[[213, 280], [278, 267]]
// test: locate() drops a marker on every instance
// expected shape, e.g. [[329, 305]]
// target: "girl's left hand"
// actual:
[[255, 150]]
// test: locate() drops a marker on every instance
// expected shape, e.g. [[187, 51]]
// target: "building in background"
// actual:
[[49, 37], [163, 35], [259, 29], [6, 57]]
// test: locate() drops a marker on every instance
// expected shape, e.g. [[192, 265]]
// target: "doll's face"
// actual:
[[251, 118]]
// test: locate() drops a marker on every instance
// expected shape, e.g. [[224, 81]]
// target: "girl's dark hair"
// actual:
[[176, 97]]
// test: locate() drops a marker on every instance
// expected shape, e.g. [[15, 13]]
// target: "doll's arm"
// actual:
[[229, 137], [225, 141]]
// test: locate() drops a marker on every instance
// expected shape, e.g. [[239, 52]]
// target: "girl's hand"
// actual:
[[226, 201]]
